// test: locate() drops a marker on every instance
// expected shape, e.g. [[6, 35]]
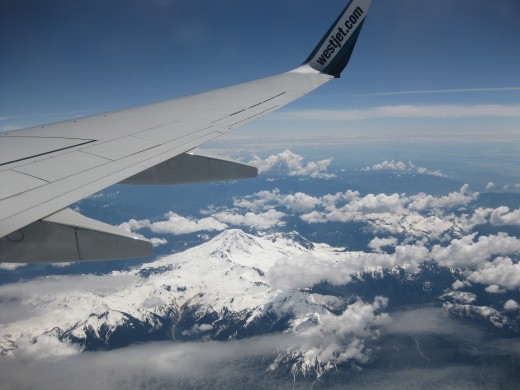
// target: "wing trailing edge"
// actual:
[[195, 166]]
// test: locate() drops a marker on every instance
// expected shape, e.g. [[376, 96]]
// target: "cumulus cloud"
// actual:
[[263, 220], [300, 202], [175, 224], [262, 200], [500, 216], [470, 251], [158, 241], [490, 186], [288, 163], [308, 270], [458, 284], [500, 273], [267, 200], [511, 305], [423, 201], [340, 338], [400, 166], [479, 217], [494, 289], [393, 213], [481, 259]]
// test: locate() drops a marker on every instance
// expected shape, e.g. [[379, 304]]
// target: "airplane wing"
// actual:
[[46, 168]]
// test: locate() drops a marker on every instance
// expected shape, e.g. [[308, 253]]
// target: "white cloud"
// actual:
[[500, 273], [262, 200], [175, 224], [400, 166], [264, 220], [502, 216], [468, 252], [380, 203], [146, 366], [494, 289], [45, 347], [300, 202], [454, 199], [458, 284], [339, 338], [288, 163], [158, 241], [11, 266], [479, 217], [132, 225], [387, 166], [490, 186], [308, 270], [267, 200], [511, 305], [394, 213]]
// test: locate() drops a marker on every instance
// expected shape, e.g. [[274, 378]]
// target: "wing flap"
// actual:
[[70, 236], [194, 166]]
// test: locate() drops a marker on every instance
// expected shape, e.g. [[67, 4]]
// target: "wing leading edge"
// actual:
[[44, 169]]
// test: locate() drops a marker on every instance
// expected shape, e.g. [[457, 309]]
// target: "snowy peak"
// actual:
[[234, 242], [244, 249]]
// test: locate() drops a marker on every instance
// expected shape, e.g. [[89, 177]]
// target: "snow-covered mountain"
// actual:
[[227, 288], [218, 290]]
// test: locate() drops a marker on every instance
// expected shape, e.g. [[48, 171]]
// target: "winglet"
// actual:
[[334, 50]]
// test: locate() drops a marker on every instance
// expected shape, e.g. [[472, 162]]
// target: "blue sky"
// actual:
[[60, 59]]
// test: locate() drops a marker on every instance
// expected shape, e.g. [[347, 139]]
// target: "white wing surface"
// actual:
[[44, 169]]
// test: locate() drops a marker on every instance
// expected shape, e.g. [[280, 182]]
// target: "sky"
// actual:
[[420, 67], [426, 72]]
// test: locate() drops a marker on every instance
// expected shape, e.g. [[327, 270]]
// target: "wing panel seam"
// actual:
[[49, 152]]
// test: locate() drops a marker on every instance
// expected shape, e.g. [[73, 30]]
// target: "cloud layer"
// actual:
[[441, 111]]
